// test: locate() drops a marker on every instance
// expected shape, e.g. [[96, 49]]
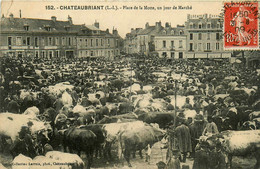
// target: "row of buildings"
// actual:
[[200, 37], [27, 37]]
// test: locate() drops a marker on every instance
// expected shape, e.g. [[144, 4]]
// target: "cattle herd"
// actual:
[[64, 113]]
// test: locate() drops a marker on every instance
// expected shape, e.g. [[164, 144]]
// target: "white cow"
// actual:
[[11, 125], [33, 112]]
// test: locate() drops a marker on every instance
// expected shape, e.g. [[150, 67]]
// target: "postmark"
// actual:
[[241, 27]]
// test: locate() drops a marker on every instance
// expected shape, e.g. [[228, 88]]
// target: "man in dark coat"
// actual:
[[182, 133], [201, 160]]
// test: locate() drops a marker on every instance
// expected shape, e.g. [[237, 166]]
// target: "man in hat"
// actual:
[[174, 162], [201, 160], [187, 104], [182, 134], [211, 127]]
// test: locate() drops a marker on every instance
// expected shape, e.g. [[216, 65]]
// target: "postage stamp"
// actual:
[[241, 25]]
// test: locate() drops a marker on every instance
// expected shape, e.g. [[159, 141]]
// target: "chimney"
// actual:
[[167, 25], [188, 17], [205, 16], [96, 24], [158, 25], [132, 29], [70, 19], [115, 32], [53, 18], [3, 16], [107, 30], [147, 25], [20, 11], [11, 16]]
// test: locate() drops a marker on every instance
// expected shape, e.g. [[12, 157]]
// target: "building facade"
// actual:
[[27, 37], [170, 42], [204, 37]]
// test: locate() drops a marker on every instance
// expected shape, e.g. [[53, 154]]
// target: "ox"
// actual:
[[238, 143], [80, 140], [131, 140]]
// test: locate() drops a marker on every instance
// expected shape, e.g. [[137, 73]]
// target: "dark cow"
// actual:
[[98, 130], [163, 119], [80, 140], [132, 140]]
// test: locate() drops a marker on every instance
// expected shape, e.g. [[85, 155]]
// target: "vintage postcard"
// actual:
[[129, 84]]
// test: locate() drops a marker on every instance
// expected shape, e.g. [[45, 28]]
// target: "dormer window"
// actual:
[[67, 28], [191, 24], [200, 25], [208, 25], [172, 32], [181, 32], [47, 28], [26, 27], [164, 32]]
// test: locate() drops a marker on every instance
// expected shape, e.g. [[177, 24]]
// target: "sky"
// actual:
[[123, 19]]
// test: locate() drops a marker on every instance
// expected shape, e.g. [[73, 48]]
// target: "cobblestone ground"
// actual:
[[157, 155]]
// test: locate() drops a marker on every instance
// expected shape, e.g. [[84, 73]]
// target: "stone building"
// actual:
[[204, 37], [170, 42], [27, 37]]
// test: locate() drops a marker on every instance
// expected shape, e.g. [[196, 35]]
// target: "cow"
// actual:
[[238, 143], [163, 119], [98, 130], [21, 159], [123, 118], [79, 140], [138, 139]]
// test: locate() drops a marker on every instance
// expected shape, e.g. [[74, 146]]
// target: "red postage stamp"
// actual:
[[241, 25]]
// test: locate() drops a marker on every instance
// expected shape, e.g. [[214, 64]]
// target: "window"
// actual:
[[180, 55], [80, 42], [208, 25], [208, 36], [200, 36], [10, 41], [172, 43], [36, 43], [96, 42], [63, 41], [56, 53], [50, 42], [57, 41], [172, 32], [28, 41], [217, 36], [218, 25], [208, 46], [91, 53], [191, 46], [164, 44], [19, 41], [86, 42], [200, 26], [108, 42], [217, 46], [164, 54], [86, 53], [91, 43], [69, 41], [191, 36], [199, 47], [43, 41], [172, 54], [180, 43], [24, 42], [191, 25], [26, 28], [36, 54], [50, 54], [102, 42]]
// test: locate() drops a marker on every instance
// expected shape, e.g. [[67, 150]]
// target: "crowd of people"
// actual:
[[220, 90]]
